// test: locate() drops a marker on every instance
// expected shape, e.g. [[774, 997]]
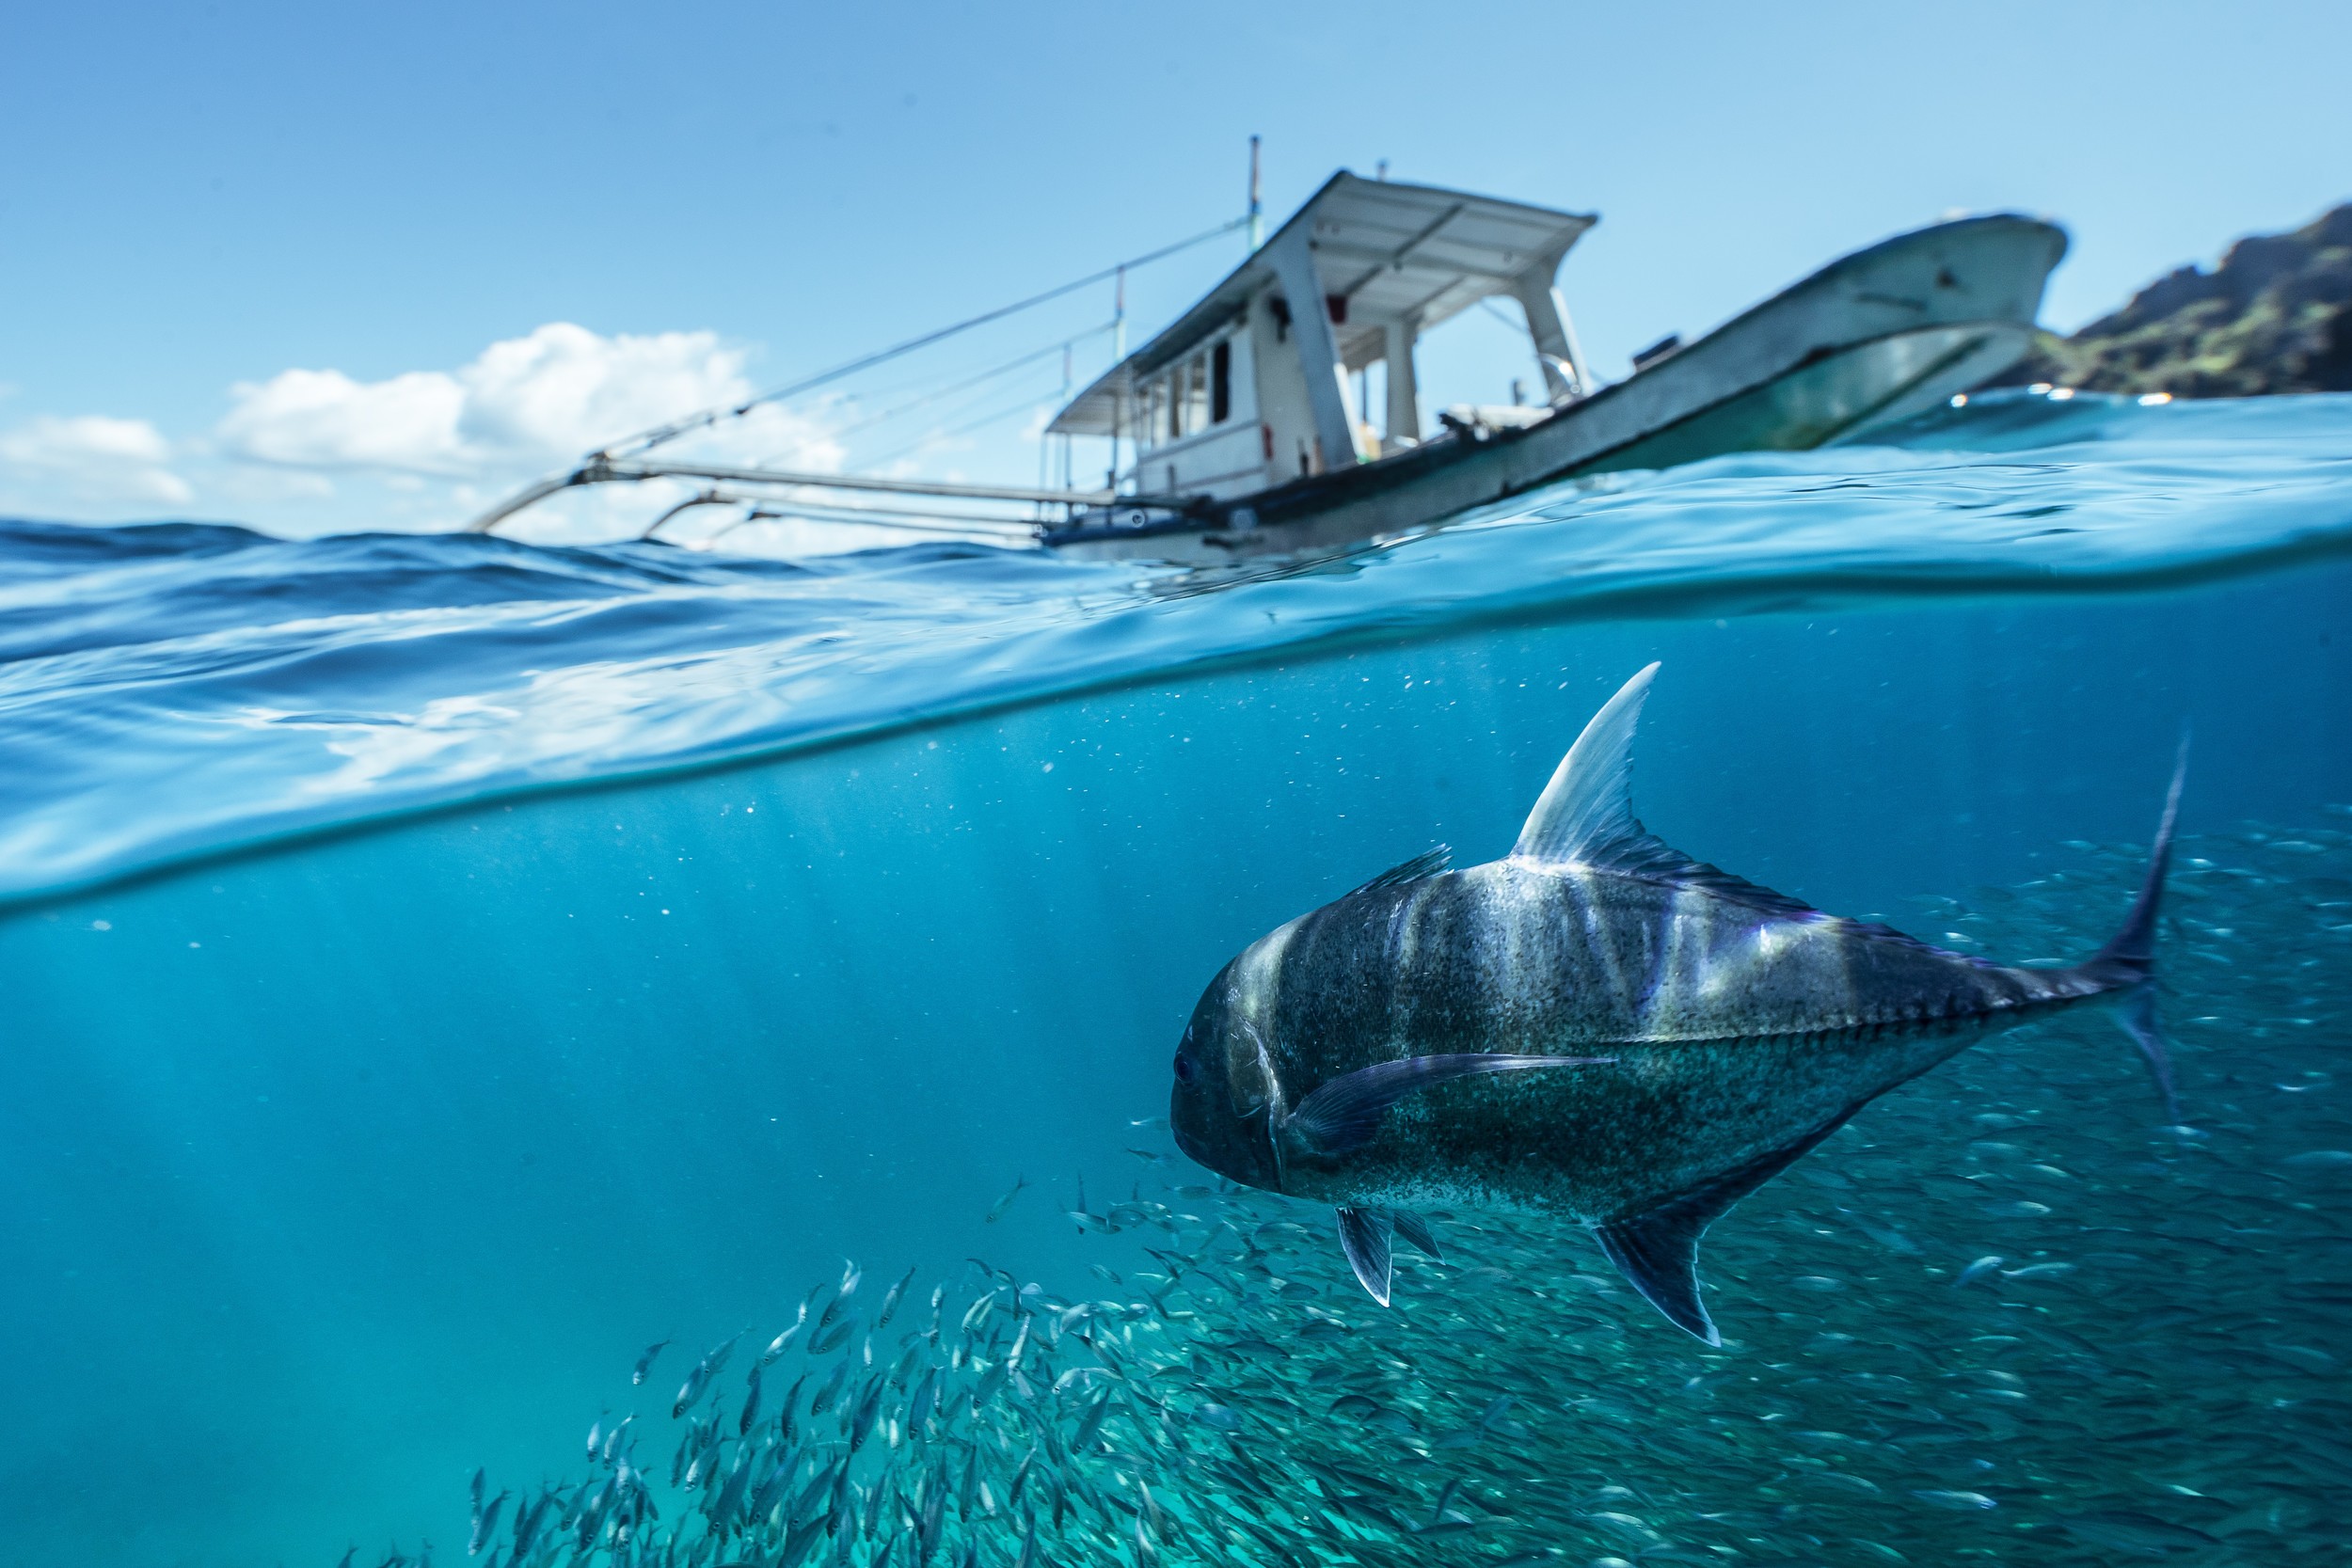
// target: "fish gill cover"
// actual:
[[350, 1182]]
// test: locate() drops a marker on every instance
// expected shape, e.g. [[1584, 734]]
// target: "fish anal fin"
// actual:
[[1658, 1250], [1364, 1238], [1416, 1230], [1659, 1255], [1429, 862]]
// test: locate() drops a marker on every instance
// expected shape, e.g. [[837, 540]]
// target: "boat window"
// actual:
[[1222, 382]]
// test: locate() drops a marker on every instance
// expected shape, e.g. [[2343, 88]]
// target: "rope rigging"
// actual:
[[936, 394], [1003, 411], [661, 434], [623, 461]]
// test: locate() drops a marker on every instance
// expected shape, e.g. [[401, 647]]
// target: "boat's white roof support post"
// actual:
[[1293, 261], [1556, 348], [1404, 391]]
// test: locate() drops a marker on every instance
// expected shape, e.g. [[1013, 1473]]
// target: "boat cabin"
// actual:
[[1247, 391]]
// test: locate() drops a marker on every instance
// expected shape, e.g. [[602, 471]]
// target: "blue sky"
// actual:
[[322, 267]]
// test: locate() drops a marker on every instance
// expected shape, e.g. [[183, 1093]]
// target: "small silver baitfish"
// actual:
[[1382, 1052]]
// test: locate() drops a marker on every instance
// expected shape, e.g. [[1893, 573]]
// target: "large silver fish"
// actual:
[[1401, 1047]]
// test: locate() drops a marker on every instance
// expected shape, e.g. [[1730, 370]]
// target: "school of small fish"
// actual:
[[2004, 1315]]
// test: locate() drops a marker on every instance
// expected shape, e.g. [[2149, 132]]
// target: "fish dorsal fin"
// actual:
[[1585, 816], [1658, 1251], [1588, 805], [1429, 862], [1364, 1237], [1651, 858]]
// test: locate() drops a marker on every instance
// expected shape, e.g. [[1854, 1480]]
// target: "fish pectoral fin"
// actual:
[[1364, 1237], [1429, 862], [1658, 1251], [1416, 1230], [1589, 802], [1340, 1115]]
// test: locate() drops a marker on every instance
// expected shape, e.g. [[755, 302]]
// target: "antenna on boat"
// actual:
[[1257, 208], [1119, 354]]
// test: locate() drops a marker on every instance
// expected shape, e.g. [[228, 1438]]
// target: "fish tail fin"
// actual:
[[2131, 957], [2136, 1015], [2127, 964]]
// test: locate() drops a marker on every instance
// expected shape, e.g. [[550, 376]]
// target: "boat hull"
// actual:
[[1874, 337]]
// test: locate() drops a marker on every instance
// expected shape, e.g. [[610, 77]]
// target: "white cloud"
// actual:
[[325, 420], [310, 451], [91, 457], [523, 404], [87, 437]]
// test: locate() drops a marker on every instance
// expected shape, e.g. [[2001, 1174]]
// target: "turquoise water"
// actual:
[[438, 969]]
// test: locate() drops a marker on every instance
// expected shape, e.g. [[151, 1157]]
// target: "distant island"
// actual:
[[2275, 316]]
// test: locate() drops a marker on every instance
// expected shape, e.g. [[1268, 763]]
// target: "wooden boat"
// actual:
[[1237, 415]]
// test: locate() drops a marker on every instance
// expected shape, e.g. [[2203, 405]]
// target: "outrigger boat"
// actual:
[[1234, 422]]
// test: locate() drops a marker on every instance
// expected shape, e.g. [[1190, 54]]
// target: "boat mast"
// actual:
[[1257, 208], [1119, 354]]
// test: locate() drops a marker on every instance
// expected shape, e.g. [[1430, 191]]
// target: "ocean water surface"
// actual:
[[438, 969]]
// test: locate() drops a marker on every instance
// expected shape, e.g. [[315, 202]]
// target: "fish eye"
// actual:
[[1185, 1068]]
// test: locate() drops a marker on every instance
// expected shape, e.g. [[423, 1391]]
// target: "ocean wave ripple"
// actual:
[[172, 690]]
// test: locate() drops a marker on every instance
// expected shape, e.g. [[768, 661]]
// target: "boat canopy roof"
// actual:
[[1390, 251]]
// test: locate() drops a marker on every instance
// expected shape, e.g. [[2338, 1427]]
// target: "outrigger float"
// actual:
[[1235, 419]]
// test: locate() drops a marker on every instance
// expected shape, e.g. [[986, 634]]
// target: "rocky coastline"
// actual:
[[2274, 316]]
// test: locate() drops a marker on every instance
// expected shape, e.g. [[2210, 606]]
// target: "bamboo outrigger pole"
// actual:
[[603, 470]]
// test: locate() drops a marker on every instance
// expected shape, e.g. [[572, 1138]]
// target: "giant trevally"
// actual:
[[1381, 1053]]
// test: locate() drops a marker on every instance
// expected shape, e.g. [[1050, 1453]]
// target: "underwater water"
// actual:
[[436, 970]]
